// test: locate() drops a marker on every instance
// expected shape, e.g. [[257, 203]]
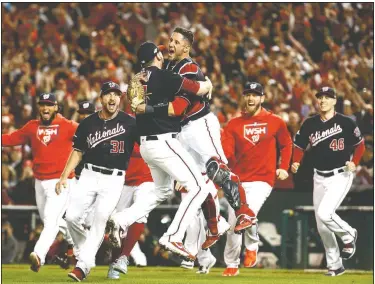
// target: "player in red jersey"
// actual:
[[50, 138], [250, 144]]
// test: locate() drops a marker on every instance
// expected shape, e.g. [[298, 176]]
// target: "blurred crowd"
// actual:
[[291, 49]]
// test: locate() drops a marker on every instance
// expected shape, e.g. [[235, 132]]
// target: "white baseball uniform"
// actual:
[[257, 193]]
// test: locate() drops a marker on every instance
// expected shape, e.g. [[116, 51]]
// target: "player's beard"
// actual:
[[47, 122], [251, 110]]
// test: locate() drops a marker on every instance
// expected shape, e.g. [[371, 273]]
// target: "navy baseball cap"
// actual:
[[109, 87], [327, 91], [147, 51], [253, 88], [86, 108], [47, 98]]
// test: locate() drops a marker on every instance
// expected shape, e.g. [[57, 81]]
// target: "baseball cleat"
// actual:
[[112, 274], [177, 248], [35, 262], [244, 222], [250, 259], [223, 227], [349, 249], [336, 272], [203, 269], [230, 271], [77, 274], [187, 264], [121, 264], [113, 231]]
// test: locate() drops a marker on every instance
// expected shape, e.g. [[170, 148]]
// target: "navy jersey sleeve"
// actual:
[[302, 137], [79, 138], [171, 82], [353, 133]]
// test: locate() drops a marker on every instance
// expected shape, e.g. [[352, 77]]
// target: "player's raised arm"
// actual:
[[18, 137]]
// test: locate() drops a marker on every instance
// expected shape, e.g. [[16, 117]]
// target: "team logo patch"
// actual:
[[325, 89], [46, 134], [254, 132], [111, 84], [85, 105], [253, 86], [46, 97]]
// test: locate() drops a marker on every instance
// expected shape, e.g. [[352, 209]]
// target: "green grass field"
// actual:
[[176, 275]]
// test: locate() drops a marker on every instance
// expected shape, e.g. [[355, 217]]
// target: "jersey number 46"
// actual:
[[117, 146], [337, 145]]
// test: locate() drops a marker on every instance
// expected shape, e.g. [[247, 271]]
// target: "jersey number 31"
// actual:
[[117, 146], [337, 145]]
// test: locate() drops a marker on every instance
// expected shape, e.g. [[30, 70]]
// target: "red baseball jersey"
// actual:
[[50, 145], [250, 146], [138, 172]]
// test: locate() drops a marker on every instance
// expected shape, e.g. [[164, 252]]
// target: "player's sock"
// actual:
[[209, 212], [116, 252], [134, 232]]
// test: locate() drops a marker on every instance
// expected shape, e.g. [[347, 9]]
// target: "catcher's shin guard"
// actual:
[[220, 174]]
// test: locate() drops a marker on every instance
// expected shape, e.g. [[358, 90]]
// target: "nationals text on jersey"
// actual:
[[101, 136], [319, 137]]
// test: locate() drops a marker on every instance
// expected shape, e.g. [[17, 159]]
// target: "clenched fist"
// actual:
[[350, 166], [62, 183], [281, 174], [295, 167]]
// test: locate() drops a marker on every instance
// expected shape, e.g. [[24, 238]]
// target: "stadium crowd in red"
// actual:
[[291, 49]]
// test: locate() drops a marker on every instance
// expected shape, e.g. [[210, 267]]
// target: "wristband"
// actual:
[[149, 109], [161, 110]]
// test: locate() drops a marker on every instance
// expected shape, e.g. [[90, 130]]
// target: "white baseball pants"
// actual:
[[203, 136], [103, 193], [51, 208], [128, 209], [328, 195], [195, 237], [168, 161], [257, 193]]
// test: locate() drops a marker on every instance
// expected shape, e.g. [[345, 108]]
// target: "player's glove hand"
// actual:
[[135, 92], [60, 185], [350, 166], [282, 174], [295, 167]]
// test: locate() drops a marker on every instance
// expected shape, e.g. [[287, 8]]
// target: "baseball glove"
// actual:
[[135, 92]]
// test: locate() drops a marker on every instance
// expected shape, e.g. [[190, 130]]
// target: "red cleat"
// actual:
[[35, 262], [250, 259], [77, 274], [177, 248], [244, 222], [211, 239], [231, 271]]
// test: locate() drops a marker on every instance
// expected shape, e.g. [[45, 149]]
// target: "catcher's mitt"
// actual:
[[135, 92]]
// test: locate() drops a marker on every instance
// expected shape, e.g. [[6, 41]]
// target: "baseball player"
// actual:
[[50, 138], [254, 136], [197, 119], [84, 110], [163, 153], [337, 147], [197, 116], [138, 186], [106, 138]]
